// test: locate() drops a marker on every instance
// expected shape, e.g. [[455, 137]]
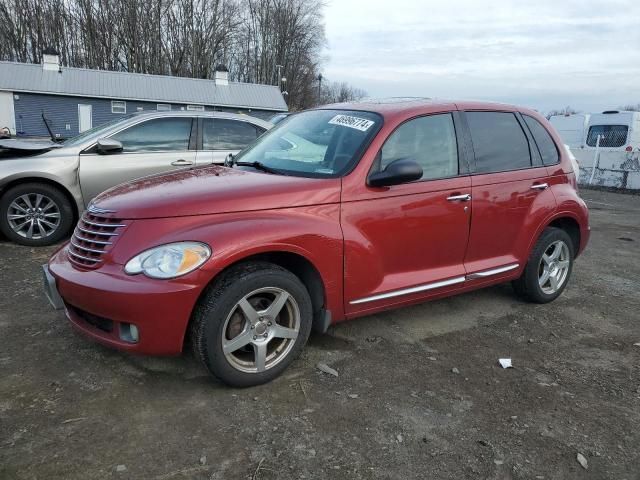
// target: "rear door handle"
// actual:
[[459, 198], [540, 186], [182, 163]]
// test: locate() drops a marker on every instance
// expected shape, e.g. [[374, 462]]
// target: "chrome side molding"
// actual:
[[493, 271], [407, 291], [431, 286]]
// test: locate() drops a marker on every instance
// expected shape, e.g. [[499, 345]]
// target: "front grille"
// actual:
[[92, 237]]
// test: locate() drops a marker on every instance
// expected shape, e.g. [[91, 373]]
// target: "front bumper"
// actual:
[[103, 304]]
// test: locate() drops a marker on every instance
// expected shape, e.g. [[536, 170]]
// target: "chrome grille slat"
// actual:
[[106, 225], [83, 257], [91, 239], [93, 232], [86, 249], [101, 242]]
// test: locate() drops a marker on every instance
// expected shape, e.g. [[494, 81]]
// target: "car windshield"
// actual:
[[315, 143], [73, 141]]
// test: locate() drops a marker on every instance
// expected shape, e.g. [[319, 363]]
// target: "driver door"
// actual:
[[152, 146], [407, 242]]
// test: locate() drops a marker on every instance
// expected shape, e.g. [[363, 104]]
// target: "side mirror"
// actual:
[[229, 160], [397, 172], [108, 145]]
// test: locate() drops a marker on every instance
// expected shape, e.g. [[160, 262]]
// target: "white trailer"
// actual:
[[571, 127], [610, 152]]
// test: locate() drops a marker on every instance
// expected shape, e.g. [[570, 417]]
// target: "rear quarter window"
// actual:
[[546, 145], [499, 143]]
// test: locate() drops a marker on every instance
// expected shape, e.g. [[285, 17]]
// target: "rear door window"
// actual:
[[546, 145], [430, 141], [224, 134], [499, 143], [158, 135], [610, 135]]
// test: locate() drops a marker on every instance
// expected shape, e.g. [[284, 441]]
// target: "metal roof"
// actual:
[[30, 77]]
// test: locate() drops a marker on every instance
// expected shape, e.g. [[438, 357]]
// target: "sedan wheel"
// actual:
[[33, 216]]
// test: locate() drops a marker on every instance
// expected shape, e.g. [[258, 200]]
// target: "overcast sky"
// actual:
[[543, 54]]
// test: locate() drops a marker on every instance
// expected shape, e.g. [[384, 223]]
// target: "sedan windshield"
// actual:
[[316, 143]]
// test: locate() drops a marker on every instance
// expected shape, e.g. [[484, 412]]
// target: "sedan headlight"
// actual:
[[169, 261]]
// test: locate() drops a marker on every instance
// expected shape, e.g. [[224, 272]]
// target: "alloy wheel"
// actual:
[[554, 267], [261, 330], [33, 216]]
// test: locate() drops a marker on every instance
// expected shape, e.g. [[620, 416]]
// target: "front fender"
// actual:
[[310, 232], [60, 171]]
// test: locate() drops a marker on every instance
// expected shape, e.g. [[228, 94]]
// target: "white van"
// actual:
[[612, 144], [572, 128]]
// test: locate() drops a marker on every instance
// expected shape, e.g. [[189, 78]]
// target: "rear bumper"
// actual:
[[103, 304]]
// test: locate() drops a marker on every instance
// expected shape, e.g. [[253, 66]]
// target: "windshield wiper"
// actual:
[[258, 166]]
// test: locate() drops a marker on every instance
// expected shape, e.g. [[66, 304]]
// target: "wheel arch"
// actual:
[[572, 227], [47, 181], [301, 267], [566, 221]]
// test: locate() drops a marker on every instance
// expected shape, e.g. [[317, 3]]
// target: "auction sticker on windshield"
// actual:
[[361, 124]]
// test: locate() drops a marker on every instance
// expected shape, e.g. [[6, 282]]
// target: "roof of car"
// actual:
[[191, 113], [416, 105]]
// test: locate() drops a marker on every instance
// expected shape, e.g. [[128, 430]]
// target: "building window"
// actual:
[[163, 107], [118, 107], [196, 108]]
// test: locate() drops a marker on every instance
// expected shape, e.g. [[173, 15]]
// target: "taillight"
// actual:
[[629, 148]]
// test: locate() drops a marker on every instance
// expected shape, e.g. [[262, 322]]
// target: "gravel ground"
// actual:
[[419, 392]]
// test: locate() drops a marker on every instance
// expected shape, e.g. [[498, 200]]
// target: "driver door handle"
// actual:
[[182, 163], [459, 198]]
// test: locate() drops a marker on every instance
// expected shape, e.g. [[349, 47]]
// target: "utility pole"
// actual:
[[319, 86], [279, 67]]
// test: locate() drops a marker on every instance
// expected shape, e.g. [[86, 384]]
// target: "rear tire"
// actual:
[[548, 270], [251, 324], [35, 214]]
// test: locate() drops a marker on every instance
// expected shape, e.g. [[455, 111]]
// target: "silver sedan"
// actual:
[[45, 186]]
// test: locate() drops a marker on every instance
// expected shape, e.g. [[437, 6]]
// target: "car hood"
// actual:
[[213, 189], [14, 147]]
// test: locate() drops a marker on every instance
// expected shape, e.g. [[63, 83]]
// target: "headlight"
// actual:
[[169, 261]]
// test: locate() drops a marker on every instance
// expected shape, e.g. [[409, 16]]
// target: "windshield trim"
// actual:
[[355, 160]]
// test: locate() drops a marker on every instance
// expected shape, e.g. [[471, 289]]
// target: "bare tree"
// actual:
[[339, 92], [257, 40], [630, 107], [563, 111]]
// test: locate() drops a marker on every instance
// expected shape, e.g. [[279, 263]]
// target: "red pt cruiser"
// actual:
[[336, 213]]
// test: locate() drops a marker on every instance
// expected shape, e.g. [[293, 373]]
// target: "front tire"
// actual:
[[35, 214], [549, 267], [251, 324]]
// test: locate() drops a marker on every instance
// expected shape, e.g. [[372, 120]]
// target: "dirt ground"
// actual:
[[419, 392]]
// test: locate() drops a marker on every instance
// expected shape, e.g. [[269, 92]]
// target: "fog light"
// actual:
[[129, 332], [133, 330]]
